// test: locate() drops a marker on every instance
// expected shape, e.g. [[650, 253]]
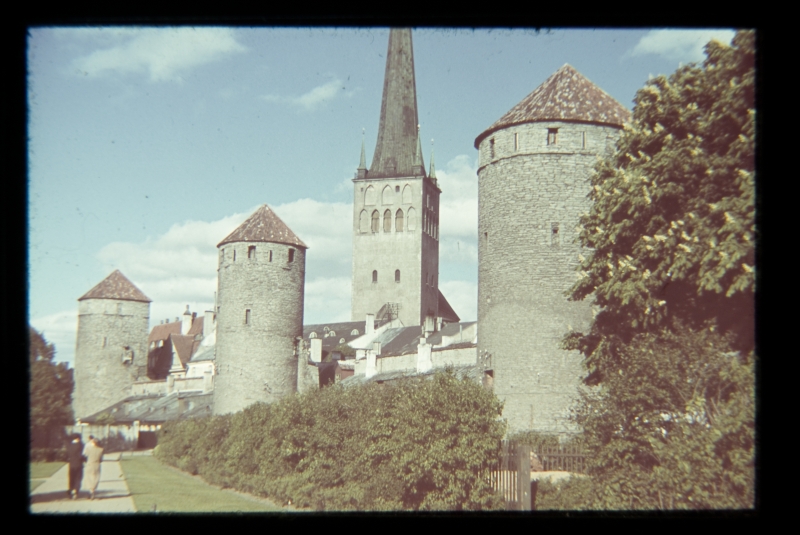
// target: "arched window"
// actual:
[[398, 220], [375, 276], [412, 219], [354, 332], [396, 275], [363, 222], [369, 196], [387, 221], [312, 335], [388, 195], [375, 221], [407, 194]]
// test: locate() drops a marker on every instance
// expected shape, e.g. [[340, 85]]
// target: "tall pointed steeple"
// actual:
[[419, 165], [395, 151], [361, 172], [432, 172]]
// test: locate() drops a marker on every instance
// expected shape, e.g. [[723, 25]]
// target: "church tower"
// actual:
[[396, 208], [111, 348], [261, 280], [533, 183]]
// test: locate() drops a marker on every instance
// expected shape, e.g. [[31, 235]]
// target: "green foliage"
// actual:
[[51, 387], [670, 421], [413, 445]]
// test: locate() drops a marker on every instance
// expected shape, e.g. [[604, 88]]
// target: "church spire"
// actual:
[[432, 173], [395, 151], [419, 165], [361, 172]]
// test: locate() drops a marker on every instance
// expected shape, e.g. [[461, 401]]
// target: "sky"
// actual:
[[148, 146]]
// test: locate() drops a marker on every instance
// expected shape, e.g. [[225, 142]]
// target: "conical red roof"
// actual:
[[116, 286], [264, 226], [566, 96]]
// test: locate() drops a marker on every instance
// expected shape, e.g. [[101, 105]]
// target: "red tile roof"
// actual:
[[264, 226], [183, 345], [162, 331], [116, 286], [566, 96]]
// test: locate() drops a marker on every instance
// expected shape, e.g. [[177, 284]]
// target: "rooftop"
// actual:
[[116, 286], [264, 226]]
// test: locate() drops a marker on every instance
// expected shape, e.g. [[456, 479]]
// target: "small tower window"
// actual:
[[583, 140], [247, 316], [291, 255], [396, 275], [251, 252], [234, 255], [552, 136], [491, 148], [397, 189], [105, 341], [554, 234], [270, 255], [398, 220], [387, 221], [375, 276], [375, 221], [516, 140]]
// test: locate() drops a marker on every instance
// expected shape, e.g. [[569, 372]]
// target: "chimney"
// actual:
[[429, 326], [167, 320], [316, 349], [370, 327], [424, 362], [186, 323], [372, 365], [208, 323]]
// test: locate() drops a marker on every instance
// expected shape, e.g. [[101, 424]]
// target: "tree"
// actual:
[[672, 270], [51, 387]]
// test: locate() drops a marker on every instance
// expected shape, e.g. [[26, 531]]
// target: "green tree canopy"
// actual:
[[51, 387], [672, 226]]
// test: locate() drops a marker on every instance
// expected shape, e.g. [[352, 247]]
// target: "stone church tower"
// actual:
[[396, 208], [111, 348], [533, 182], [261, 281]]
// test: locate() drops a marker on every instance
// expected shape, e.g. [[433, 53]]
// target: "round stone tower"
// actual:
[[261, 280], [533, 181], [111, 348]]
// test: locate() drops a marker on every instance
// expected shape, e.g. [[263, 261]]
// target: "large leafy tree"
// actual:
[[672, 272], [51, 387]]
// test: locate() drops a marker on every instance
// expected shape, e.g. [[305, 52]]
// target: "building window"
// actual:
[[251, 251], [552, 136], [397, 189], [583, 140], [291, 255], [396, 275], [554, 234], [270, 255], [491, 148], [398, 221], [388, 196], [247, 316], [105, 341], [363, 222], [234, 255], [375, 221], [516, 141], [370, 196], [407, 194], [412, 219], [387, 221], [375, 276]]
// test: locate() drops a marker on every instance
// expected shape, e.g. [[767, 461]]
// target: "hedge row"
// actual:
[[416, 444]]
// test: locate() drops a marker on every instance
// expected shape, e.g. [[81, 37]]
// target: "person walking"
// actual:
[[75, 459], [94, 456]]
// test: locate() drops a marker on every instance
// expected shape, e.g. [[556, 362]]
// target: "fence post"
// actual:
[[524, 477]]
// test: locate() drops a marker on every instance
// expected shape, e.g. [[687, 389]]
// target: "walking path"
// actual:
[[112, 495]]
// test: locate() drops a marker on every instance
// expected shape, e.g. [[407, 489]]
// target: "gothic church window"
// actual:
[[396, 275], [388, 195], [398, 220], [412, 219], [387, 221], [375, 276], [363, 222], [375, 221], [369, 196], [407, 194], [552, 136]]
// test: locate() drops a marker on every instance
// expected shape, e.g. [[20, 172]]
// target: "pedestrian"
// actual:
[[94, 456], [76, 459]]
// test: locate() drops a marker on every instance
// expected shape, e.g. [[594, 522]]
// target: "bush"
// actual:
[[416, 444]]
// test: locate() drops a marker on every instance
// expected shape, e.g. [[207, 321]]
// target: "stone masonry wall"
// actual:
[[531, 196], [102, 375], [411, 250], [256, 361]]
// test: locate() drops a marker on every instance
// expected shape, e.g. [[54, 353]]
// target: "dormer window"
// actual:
[[552, 136]]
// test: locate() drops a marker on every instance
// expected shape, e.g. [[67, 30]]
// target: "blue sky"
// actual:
[[149, 145]]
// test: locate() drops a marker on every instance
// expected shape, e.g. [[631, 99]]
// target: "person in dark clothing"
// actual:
[[75, 458]]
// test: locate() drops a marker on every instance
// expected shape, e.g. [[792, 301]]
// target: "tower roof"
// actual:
[[566, 96], [264, 226], [396, 149], [116, 286]]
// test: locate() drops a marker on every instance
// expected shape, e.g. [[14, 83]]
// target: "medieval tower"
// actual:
[[396, 208], [261, 281], [533, 182], [111, 347]]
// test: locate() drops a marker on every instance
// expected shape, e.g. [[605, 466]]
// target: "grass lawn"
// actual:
[[151, 483]]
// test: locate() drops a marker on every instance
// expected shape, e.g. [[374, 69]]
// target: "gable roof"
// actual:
[[116, 286], [566, 95], [184, 345], [264, 226], [163, 330]]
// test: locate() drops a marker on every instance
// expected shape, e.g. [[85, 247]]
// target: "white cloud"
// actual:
[[463, 297], [314, 98], [60, 330], [679, 45], [458, 206], [162, 53]]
